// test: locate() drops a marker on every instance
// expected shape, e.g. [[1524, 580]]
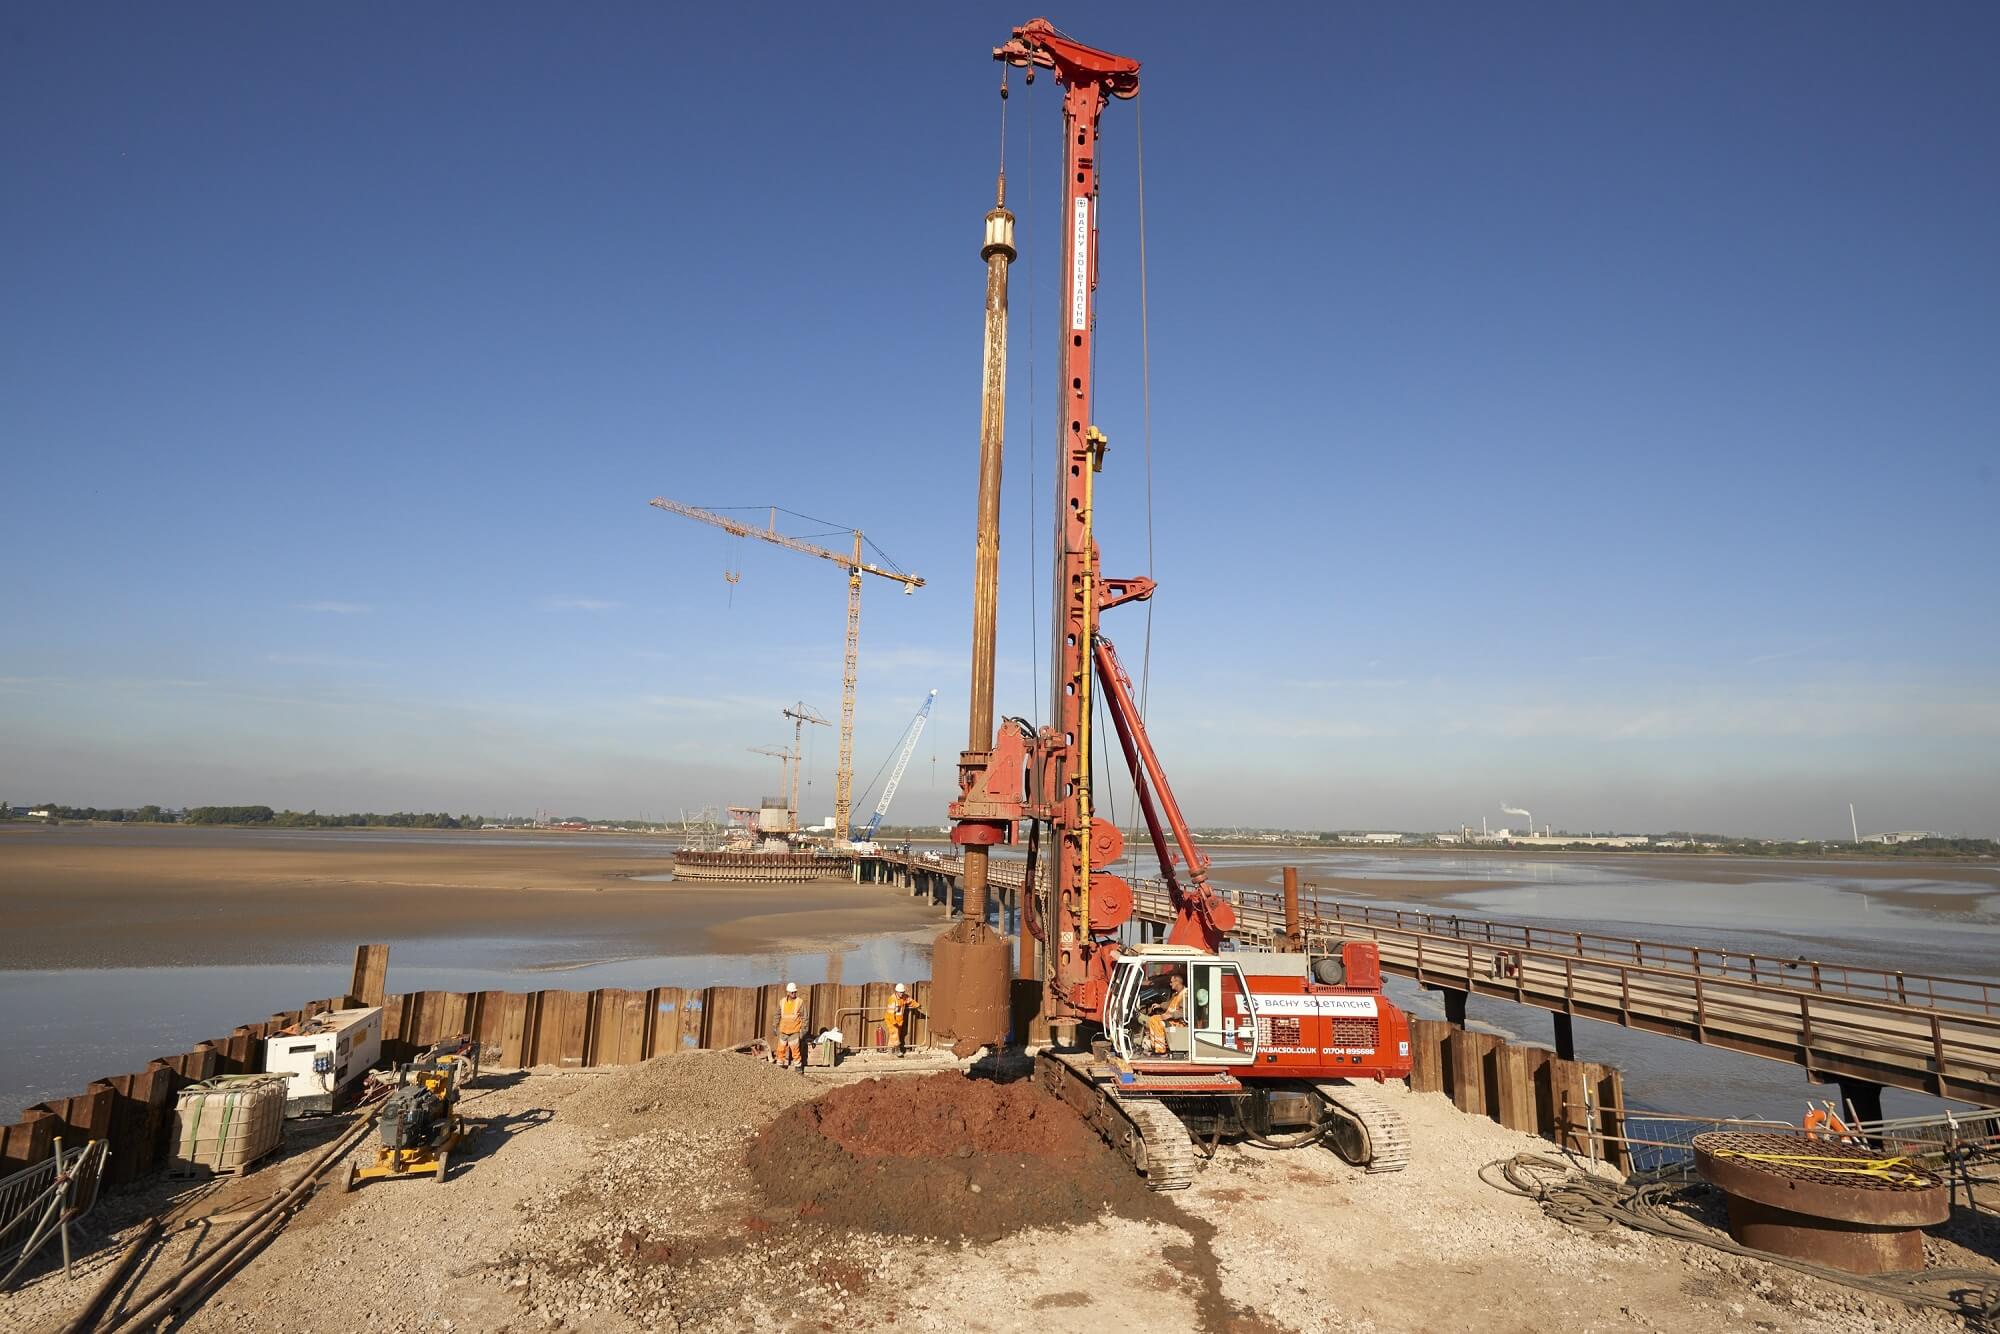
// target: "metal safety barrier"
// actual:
[[41, 1202]]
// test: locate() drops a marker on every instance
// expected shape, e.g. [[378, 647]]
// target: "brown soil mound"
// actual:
[[944, 1156]]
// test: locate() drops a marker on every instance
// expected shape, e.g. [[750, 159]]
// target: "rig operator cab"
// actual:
[[1178, 1009], [1174, 1005], [1274, 1048]]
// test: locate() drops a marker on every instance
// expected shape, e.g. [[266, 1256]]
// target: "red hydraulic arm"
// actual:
[[1201, 916]]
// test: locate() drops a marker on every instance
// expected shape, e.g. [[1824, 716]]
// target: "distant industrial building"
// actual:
[[1900, 836], [1528, 838], [1573, 840]]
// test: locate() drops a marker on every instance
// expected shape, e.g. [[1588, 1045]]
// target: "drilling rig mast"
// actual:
[[1088, 903], [1182, 1036]]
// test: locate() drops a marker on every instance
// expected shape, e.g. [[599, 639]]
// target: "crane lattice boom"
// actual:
[[902, 762]]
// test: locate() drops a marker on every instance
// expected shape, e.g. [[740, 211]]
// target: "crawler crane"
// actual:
[[1155, 1044]]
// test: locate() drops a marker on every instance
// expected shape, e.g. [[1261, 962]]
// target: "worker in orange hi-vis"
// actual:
[[1169, 1009], [791, 1025], [894, 1014]]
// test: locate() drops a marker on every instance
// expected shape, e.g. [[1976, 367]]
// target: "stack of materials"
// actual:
[[227, 1124]]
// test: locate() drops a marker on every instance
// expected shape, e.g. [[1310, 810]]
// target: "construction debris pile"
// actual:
[[944, 1156]]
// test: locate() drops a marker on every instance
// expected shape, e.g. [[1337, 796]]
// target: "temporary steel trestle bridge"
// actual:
[[1857, 1026]]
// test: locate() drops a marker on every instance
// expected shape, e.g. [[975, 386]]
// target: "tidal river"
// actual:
[[129, 944]]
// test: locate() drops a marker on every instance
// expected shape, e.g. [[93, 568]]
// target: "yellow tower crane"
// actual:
[[800, 714], [843, 779], [785, 773]]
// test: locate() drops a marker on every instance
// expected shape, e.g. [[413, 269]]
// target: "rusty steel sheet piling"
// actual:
[[970, 964]]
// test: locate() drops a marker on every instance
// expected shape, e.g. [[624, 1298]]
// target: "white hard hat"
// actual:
[[900, 988], [791, 987]]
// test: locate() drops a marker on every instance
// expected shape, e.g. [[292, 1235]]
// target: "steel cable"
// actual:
[[1146, 438], [1598, 1204], [1034, 302]]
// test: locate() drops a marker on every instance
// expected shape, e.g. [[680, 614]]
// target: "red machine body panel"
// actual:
[[1309, 1031]]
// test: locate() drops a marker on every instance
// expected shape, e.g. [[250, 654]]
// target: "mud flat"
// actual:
[[664, 1196], [96, 898]]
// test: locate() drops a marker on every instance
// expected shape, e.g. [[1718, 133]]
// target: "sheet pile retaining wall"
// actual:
[[1522, 1087], [565, 1029]]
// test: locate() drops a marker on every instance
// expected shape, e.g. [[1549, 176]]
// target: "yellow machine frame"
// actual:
[[444, 1080]]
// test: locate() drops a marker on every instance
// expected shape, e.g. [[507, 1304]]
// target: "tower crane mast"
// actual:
[[800, 714], [843, 781]]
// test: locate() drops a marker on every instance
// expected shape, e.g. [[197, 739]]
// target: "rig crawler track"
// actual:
[[1371, 1134], [1150, 1136]]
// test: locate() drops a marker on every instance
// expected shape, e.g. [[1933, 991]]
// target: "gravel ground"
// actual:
[[619, 1201]]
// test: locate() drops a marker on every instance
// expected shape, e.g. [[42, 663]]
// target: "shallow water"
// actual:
[[1819, 909], [67, 1027]]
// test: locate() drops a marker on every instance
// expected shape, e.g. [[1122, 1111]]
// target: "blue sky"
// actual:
[[1587, 407]]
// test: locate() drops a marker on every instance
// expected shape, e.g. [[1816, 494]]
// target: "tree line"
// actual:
[[256, 815], [264, 815], [134, 814]]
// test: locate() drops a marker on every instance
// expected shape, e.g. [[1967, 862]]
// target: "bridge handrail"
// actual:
[[1150, 896], [1925, 990], [1947, 1045], [1895, 991]]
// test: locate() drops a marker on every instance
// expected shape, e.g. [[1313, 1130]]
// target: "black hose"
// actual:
[[1599, 1204], [1303, 1139]]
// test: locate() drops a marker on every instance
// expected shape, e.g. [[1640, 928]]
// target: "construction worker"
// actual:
[[894, 1014], [791, 1024], [1168, 1009]]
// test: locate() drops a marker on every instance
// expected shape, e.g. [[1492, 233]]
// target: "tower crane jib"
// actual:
[[843, 783]]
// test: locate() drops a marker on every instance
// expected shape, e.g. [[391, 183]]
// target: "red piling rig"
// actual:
[[1046, 777]]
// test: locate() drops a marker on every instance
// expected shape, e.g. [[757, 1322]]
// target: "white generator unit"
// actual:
[[326, 1057]]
